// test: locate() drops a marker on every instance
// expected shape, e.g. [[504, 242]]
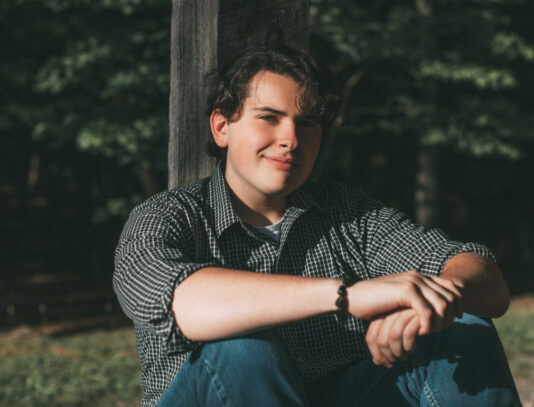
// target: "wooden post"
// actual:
[[193, 53], [205, 34], [426, 194]]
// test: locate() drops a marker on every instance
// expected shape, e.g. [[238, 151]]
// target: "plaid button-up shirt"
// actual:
[[329, 230]]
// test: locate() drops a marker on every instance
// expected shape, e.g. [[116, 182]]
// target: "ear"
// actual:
[[219, 128]]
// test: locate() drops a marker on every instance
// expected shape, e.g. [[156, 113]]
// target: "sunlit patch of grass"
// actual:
[[90, 369], [516, 330], [101, 369]]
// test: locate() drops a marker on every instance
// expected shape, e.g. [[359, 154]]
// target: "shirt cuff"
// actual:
[[470, 247], [175, 340]]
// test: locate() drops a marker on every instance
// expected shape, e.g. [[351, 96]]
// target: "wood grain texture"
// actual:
[[193, 53], [210, 33]]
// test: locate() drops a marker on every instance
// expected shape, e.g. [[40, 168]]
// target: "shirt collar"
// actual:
[[225, 215], [304, 199], [300, 200]]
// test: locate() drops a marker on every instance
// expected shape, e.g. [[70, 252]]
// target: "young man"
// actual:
[[255, 288]]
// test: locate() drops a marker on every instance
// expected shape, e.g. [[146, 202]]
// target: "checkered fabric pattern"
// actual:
[[329, 230]]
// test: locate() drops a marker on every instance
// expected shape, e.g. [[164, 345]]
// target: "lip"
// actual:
[[282, 163]]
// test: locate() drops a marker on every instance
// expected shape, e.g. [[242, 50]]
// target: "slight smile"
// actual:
[[281, 162]]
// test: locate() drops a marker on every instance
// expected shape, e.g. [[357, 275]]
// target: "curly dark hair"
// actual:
[[230, 84]]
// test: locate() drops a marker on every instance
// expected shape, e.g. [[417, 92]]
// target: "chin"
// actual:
[[280, 191], [283, 187], [274, 190]]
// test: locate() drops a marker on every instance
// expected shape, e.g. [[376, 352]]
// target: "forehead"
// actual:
[[269, 87]]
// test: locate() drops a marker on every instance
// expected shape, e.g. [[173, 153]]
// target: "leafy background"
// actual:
[[435, 95]]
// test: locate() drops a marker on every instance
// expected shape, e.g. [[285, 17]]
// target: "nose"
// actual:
[[288, 136]]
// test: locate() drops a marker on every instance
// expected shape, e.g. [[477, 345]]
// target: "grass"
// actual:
[[101, 368], [516, 330], [91, 369]]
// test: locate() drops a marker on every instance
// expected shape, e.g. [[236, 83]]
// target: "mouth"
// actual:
[[282, 163]]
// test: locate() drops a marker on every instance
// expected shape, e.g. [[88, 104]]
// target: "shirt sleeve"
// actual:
[[153, 256], [391, 243]]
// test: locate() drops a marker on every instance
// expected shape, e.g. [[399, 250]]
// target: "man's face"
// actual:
[[271, 147]]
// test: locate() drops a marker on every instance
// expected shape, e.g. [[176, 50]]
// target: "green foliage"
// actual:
[[94, 75], [85, 87], [439, 72], [107, 82], [115, 207], [479, 76], [512, 46], [95, 369]]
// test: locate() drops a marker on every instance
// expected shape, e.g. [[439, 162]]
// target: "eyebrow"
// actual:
[[279, 112], [270, 109]]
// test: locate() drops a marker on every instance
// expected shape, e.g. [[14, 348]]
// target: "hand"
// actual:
[[392, 337], [436, 300]]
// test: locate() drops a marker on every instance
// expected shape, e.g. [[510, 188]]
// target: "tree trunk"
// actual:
[[210, 33], [427, 186], [427, 191], [193, 54]]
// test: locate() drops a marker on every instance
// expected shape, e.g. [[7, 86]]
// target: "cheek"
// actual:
[[250, 143], [241, 160], [258, 140], [242, 155]]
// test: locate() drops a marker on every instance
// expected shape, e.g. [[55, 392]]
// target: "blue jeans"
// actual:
[[463, 365]]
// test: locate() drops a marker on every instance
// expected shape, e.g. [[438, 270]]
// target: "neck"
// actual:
[[259, 213]]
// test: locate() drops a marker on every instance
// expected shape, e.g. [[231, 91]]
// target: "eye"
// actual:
[[269, 118]]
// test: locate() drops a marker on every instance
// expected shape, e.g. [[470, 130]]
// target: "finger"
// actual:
[[423, 308], [371, 339], [378, 353], [409, 335], [383, 342], [398, 324], [445, 305], [390, 335], [447, 283], [443, 288], [439, 297], [448, 288], [453, 308], [450, 285]]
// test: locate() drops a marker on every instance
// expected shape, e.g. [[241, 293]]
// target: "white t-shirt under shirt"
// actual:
[[272, 230]]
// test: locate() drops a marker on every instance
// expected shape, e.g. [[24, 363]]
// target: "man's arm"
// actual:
[[484, 292], [215, 303]]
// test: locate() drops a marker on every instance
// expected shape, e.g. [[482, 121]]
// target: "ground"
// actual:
[[59, 365], [516, 329]]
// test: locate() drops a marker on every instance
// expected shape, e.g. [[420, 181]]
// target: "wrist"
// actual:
[[342, 302], [331, 290]]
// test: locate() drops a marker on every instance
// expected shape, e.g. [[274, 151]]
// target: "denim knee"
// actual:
[[263, 352], [466, 362], [252, 370]]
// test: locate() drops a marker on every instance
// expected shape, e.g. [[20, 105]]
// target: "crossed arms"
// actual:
[[215, 303]]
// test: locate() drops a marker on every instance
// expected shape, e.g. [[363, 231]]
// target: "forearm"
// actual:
[[215, 303], [484, 292]]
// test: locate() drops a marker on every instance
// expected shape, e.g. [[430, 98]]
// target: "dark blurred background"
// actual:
[[437, 120]]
